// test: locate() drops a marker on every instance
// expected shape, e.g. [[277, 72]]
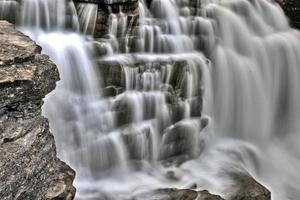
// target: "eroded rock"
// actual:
[[177, 194], [246, 188], [249, 189], [29, 167]]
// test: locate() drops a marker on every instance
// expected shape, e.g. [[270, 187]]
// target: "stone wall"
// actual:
[[29, 168]]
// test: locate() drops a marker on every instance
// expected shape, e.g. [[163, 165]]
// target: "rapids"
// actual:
[[241, 55]]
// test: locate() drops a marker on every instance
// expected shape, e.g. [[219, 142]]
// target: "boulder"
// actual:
[[105, 7], [292, 10], [246, 188], [249, 189], [177, 194], [29, 167], [183, 141]]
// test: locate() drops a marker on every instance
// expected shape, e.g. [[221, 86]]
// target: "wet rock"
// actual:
[[250, 189], [9, 11], [177, 194], [182, 141], [246, 188], [112, 91], [138, 142], [128, 7], [292, 10], [29, 167], [108, 2], [113, 73], [196, 104], [172, 175], [15, 48]]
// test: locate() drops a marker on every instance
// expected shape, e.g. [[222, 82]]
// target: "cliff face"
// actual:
[[29, 168]]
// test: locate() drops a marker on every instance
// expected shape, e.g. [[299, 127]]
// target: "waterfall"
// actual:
[[198, 89]]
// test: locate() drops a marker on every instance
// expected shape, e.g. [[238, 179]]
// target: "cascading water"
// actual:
[[234, 62]]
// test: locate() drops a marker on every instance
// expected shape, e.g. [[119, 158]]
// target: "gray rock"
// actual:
[[106, 1], [129, 8], [292, 10], [179, 141], [29, 167], [176, 194], [246, 187], [249, 189]]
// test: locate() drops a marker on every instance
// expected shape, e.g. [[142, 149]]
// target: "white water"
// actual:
[[87, 14], [243, 55]]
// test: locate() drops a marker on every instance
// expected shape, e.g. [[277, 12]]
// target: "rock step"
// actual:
[[177, 144], [245, 187], [168, 73], [292, 10], [107, 2]]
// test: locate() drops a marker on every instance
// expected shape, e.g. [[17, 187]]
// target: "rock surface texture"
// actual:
[[249, 189], [246, 189], [175, 194], [106, 7], [292, 10], [29, 168]]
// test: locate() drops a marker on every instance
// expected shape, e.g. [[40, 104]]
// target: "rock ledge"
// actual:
[[29, 167]]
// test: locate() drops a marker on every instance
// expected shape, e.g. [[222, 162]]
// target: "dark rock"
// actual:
[[250, 189], [15, 48], [176, 194], [292, 10], [135, 142], [108, 2], [29, 168], [105, 7], [182, 141], [112, 91], [246, 189]]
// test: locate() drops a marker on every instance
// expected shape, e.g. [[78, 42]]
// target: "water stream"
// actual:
[[206, 90]]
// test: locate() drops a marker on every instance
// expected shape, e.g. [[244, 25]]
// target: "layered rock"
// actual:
[[29, 167], [129, 8]]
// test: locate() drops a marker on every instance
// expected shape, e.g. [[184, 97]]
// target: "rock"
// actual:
[[9, 10], [114, 73], [105, 7], [108, 2], [112, 91], [183, 141], [177, 194], [250, 189], [138, 142], [246, 189], [292, 10], [15, 48], [29, 167]]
